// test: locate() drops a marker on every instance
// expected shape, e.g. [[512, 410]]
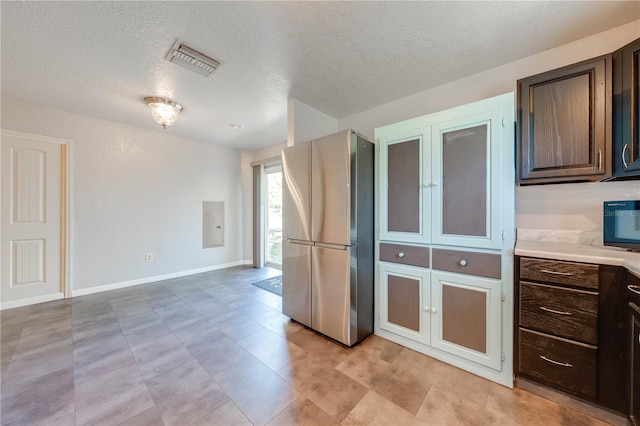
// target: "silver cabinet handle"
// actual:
[[401, 255], [544, 308], [599, 159], [564, 274], [463, 262], [634, 288], [562, 364], [624, 159]]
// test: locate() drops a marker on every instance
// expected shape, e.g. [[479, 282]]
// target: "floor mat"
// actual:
[[273, 284]]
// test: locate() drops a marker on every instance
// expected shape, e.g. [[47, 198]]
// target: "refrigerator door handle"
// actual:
[[301, 242], [332, 246]]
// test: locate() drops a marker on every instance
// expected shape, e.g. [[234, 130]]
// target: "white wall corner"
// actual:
[[305, 123], [291, 115]]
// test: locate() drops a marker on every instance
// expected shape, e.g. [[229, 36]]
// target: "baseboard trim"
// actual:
[[31, 301], [147, 280]]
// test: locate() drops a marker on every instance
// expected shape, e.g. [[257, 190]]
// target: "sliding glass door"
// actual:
[[273, 214]]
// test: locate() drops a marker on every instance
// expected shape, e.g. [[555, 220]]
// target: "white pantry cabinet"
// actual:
[[441, 178], [445, 200]]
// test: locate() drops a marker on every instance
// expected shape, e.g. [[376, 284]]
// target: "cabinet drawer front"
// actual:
[[570, 273], [466, 262], [405, 254], [566, 364], [561, 311]]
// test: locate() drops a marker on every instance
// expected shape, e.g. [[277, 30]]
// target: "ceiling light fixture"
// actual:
[[235, 126], [164, 111]]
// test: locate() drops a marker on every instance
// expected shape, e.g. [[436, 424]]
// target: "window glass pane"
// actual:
[[273, 217]]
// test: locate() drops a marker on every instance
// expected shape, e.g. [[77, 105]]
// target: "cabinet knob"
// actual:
[[434, 310], [463, 262], [401, 255]]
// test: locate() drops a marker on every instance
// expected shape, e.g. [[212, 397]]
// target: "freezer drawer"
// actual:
[[333, 291], [296, 280]]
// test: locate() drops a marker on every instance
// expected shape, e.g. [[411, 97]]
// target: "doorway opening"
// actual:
[[272, 222]]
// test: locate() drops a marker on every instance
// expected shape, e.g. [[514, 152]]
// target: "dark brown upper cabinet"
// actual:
[[564, 124], [626, 111]]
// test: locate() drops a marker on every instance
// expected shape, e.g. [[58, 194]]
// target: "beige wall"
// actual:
[[490, 83], [138, 191], [555, 207]]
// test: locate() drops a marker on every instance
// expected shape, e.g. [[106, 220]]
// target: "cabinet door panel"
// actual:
[[404, 293], [466, 188], [403, 210], [564, 119], [464, 181], [466, 317], [561, 113], [626, 110], [404, 177]]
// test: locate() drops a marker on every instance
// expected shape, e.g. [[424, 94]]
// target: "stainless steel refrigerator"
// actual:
[[327, 264]]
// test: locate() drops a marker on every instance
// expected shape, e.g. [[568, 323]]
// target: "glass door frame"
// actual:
[[267, 169]]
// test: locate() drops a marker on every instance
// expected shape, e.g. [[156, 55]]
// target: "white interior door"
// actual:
[[31, 220]]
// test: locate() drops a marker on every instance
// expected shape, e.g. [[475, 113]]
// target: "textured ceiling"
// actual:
[[102, 58]]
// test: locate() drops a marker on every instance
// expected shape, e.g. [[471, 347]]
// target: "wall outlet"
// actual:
[[148, 257]]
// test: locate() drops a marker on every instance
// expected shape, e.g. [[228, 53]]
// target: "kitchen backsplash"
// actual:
[[569, 213], [590, 238]]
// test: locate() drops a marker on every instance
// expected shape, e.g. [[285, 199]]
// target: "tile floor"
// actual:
[[212, 349]]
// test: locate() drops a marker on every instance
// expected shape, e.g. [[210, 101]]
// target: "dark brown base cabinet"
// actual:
[[626, 111], [634, 321], [571, 328], [634, 413]]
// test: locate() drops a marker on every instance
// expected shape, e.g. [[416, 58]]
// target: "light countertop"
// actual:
[[580, 253]]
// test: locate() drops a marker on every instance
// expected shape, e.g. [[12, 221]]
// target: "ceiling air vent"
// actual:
[[188, 57]]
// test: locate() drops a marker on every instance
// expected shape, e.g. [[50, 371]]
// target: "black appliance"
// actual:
[[621, 224]]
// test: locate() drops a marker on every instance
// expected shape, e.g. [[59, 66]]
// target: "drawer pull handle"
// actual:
[[564, 274], [401, 255], [634, 288], [544, 308], [561, 364]]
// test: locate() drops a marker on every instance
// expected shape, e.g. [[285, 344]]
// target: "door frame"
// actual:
[[277, 164], [66, 219]]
